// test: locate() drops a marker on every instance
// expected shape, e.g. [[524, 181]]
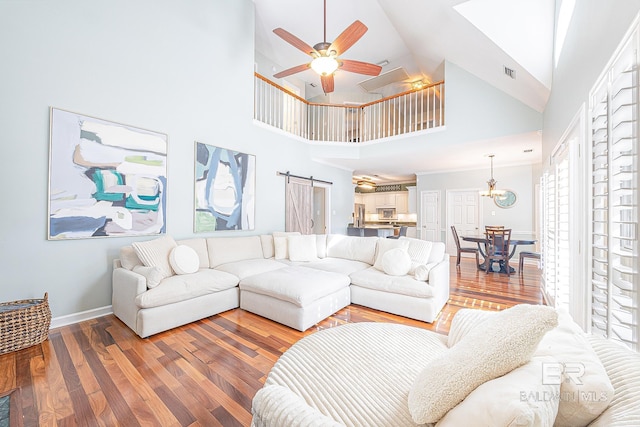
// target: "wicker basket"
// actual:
[[24, 323]]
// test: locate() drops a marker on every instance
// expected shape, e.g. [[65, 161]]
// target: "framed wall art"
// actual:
[[105, 179], [224, 189]]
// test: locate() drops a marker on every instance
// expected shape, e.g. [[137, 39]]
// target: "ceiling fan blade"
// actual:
[[360, 67], [348, 37], [295, 42], [292, 70], [327, 83]]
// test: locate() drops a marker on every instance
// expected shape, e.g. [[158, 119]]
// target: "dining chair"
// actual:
[[402, 232], [498, 244], [493, 227], [464, 249], [523, 255]]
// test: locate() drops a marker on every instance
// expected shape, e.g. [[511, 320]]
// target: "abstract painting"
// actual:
[[105, 179], [225, 189]]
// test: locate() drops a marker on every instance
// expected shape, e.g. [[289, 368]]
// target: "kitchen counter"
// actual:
[[379, 230]]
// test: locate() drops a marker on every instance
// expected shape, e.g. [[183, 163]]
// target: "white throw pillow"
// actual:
[[419, 251], [505, 342], [302, 248], [585, 388], [518, 398], [184, 260], [385, 245], [421, 272], [128, 257], [396, 262], [152, 274], [155, 253], [280, 243]]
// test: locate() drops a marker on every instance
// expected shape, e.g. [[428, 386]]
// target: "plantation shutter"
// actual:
[[614, 211]]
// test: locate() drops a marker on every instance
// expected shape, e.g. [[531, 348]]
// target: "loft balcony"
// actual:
[[404, 113]]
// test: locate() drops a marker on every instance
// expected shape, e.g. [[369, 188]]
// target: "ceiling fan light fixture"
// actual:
[[324, 65]]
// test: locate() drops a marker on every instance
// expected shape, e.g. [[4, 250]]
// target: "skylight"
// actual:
[[564, 19]]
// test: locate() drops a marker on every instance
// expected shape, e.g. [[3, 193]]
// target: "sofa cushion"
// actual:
[[186, 286], [352, 247], [249, 267], [155, 253], [419, 251], [518, 398], [506, 341], [303, 248], [336, 265], [385, 245], [153, 275], [267, 245], [321, 245], [223, 250], [281, 244], [396, 262], [128, 258], [438, 249], [372, 278], [184, 260], [298, 285], [200, 246]]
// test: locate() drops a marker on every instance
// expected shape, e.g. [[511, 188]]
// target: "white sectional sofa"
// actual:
[[291, 279]]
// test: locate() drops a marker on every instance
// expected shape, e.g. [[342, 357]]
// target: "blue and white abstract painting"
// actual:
[[105, 179], [225, 189]]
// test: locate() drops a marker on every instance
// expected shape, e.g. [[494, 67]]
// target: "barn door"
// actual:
[[299, 206]]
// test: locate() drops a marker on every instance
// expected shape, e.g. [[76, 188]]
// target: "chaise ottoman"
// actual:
[[296, 296]]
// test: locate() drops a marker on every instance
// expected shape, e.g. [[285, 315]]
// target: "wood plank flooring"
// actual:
[[99, 373]]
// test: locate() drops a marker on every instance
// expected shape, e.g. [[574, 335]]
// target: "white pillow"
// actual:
[[585, 387], [128, 257], [152, 274], [302, 248], [280, 244], [421, 272], [516, 399], [505, 342], [184, 260], [385, 245], [155, 253], [396, 262], [419, 251]]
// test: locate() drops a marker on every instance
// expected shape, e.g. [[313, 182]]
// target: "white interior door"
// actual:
[[430, 216], [463, 212]]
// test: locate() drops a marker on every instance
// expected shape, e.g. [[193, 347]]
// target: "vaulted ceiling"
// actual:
[[481, 36]]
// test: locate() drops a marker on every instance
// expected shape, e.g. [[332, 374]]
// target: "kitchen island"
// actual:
[[381, 230]]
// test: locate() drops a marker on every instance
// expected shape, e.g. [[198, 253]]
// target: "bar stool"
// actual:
[[523, 255]]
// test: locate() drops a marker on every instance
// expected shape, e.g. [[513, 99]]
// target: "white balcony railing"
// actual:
[[411, 111]]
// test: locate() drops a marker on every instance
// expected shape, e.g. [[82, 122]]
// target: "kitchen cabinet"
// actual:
[[402, 202], [386, 200], [413, 201], [369, 200], [359, 198]]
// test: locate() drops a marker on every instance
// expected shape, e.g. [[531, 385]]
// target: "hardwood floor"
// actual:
[[99, 372]]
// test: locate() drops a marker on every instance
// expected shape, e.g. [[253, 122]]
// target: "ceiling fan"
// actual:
[[325, 55]]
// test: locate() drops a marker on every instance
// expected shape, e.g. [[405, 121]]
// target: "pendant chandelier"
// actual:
[[492, 191]]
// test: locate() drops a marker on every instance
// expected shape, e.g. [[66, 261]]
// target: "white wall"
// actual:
[[519, 179], [596, 29], [182, 68]]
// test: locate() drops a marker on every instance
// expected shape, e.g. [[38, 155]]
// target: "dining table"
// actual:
[[482, 241]]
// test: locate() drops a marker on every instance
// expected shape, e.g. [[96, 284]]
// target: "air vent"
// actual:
[[396, 75], [510, 72], [528, 150]]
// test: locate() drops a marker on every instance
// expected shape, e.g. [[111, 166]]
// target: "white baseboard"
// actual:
[[69, 319]]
